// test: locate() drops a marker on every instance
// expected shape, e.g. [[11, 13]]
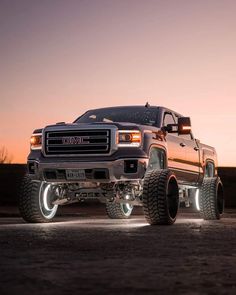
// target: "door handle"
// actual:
[[182, 144], [196, 148]]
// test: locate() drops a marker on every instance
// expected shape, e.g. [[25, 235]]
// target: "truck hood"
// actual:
[[118, 125]]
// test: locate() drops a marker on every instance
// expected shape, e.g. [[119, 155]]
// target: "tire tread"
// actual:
[[208, 198], [115, 211], [155, 199], [29, 202]]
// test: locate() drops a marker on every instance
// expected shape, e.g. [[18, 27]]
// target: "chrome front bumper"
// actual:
[[116, 170]]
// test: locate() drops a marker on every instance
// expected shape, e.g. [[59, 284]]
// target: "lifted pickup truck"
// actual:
[[123, 156]]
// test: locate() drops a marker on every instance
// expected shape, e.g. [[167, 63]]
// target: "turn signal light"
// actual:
[[186, 127]]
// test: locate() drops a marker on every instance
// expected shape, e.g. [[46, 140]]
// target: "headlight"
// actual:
[[36, 141], [129, 138]]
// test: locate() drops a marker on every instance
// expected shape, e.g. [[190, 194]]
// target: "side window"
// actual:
[[185, 136], [168, 119]]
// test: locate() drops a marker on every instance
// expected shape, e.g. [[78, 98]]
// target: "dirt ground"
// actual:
[[86, 253]]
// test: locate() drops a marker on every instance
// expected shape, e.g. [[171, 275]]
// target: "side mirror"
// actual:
[[184, 125], [171, 128]]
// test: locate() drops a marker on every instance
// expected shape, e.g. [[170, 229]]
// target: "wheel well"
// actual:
[[209, 170], [157, 158]]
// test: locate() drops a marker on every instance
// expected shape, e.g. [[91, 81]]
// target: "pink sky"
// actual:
[[60, 58]]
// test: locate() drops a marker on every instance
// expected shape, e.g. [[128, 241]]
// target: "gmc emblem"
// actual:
[[74, 140]]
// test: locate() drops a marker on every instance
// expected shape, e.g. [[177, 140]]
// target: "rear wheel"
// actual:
[[160, 197], [211, 199], [118, 210], [35, 201]]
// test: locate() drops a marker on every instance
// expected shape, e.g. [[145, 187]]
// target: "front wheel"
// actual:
[[35, 201], [119, 210], [160, 197]]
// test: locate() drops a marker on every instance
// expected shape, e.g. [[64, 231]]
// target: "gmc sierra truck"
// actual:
[[124, 157]]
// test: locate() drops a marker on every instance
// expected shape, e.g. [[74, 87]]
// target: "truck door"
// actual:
[[192, 161], [175, 149], [192, 158]]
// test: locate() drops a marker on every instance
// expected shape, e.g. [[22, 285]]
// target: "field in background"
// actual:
[[11, 175]]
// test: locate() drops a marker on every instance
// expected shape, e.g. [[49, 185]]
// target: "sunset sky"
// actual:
[[60, 58]]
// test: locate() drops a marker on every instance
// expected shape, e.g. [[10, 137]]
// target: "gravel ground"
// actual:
[[86, 253]]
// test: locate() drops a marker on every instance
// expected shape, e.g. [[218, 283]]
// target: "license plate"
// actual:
[[75, 174]]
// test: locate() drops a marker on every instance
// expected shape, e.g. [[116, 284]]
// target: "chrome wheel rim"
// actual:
[[127, 209]]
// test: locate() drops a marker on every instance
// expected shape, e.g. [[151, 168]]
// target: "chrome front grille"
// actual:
[[77, 142]]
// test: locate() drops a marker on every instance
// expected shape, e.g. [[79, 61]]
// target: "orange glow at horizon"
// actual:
[[61, 58]]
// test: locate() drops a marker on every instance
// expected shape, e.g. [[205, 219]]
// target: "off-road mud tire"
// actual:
[[211, 199], [160, 197], [117, 211], [29, 204]]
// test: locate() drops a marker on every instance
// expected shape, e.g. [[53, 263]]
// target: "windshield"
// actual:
[[138, 115]]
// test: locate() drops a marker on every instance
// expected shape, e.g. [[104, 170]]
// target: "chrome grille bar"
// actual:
[[77, 142]]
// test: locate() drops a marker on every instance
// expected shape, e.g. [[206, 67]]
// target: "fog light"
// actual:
[[131, 166], [31, 168]]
